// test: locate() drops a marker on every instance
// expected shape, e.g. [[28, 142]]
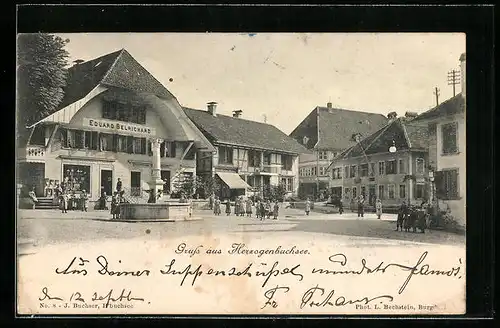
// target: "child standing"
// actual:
[[262, 210], [378, 208], [114, 204], [308, 206], [85, 201], [228, 207]]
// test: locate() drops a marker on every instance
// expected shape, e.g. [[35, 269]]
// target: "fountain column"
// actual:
[[156, 182]]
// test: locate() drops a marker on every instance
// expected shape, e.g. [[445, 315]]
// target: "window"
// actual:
[[139, 145], [121, 145], [105, 142], [135, 183], [381, 168], [347, 193], [449, 137], [402, 166], [346, 171], [267, 159], [372, 169], [254, 158], [91, 140], [390, 167], [419, 191], [363, 191], [447, 184], [76, 177], [419, 168], [119, 111], [286, 162], [168, 149], [353, 170], [313, 171], [390, 191], [287, 183], [354, 192], [402, 191], [337, 173], [363, 170], [225, 155], [323, 155], [381, 192]]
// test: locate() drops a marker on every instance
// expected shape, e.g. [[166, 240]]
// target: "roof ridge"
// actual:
[[112, 65], [441, 104], [228, 116], [407, 137], [381, 130], [349, 110]]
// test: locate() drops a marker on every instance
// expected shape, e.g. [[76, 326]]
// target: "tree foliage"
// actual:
[[275, 192], [41, 76]]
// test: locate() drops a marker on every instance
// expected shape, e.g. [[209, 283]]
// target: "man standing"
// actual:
[[361, 206], [119, 185]]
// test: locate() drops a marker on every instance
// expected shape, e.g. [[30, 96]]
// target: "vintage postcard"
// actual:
[[241, 173]]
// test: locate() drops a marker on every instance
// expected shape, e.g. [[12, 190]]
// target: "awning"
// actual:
[[233, 180]]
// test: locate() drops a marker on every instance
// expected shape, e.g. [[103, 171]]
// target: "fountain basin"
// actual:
[[156, 212]]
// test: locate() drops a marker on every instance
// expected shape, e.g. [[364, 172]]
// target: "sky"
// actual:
[[282, 77]]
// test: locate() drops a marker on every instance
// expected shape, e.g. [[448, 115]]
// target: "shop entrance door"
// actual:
[[135, 183], [371, 194], [165, 176], [107, 182]]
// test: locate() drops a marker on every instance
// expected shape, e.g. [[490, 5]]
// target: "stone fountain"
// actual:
[[157, 208]]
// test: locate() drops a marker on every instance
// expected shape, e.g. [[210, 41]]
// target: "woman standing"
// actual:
[[275, 210], [308, 206], [249, 204], [228, 207], [85, 201], [217, 206], [378, 208]]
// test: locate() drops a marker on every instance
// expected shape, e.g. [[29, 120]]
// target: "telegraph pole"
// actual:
[[453, 79], [436, 92]]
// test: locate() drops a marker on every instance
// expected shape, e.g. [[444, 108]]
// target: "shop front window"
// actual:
[[76, 178]]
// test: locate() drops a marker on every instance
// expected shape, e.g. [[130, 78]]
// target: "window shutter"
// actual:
[[453, 184], [162, 149], [94, 140], [143, 146], [114, 145], [173, 148], [130, 144], [150, 151], [439, 183]]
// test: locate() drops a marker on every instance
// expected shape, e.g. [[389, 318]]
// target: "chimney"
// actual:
[[411, 115], [329, 105], [392, 116], [237, 113], [212, 108], [462, 73]]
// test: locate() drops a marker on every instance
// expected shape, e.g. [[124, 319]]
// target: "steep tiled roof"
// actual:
[[404, 133], [336, 126], [451, 106], [117, 69], [239, 131]]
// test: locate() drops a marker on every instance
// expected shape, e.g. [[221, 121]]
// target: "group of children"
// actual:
[[263, 209], [72, 201]]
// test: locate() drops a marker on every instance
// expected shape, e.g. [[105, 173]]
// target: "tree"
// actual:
[[206, 185], [275, 192], [41, 77]]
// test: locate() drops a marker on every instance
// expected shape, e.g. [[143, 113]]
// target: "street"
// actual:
[[45, 227]]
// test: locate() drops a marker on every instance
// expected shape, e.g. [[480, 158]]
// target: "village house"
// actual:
[[390, 164], [251, 156], [447, 150], [115, 119], [327, 131]]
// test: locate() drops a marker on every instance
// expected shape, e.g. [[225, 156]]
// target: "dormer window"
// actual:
[[305, 140]]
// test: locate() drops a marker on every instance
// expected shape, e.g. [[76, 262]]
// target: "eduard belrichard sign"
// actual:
[[117, 127]]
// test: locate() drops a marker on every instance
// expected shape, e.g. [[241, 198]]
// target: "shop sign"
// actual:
[[117, 126]]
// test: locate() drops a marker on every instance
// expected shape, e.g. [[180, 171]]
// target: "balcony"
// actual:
[[271, 168], [32, 154]]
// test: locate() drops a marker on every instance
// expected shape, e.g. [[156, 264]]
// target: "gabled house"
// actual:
[[115, 118], [250, 157], [447, 150], [390, 164], [327, 131]]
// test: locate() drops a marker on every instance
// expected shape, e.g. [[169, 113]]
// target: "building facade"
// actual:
[[250, 156], [327, 131], [115, 118], [371, 169], [447, 150]]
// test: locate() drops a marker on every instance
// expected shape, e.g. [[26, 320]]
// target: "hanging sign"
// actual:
[[118, 127]]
